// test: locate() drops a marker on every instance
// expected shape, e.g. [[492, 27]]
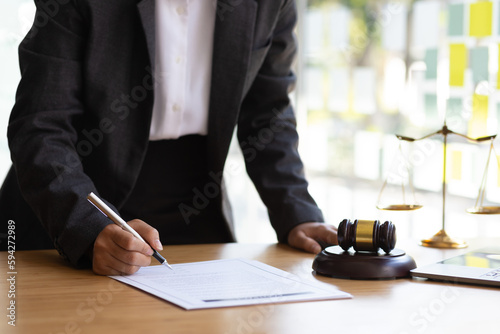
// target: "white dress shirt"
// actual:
[[183, 67]]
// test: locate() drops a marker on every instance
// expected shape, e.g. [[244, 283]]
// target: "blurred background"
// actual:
[[367, 70]]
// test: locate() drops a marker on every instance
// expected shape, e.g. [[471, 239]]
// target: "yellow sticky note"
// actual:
[[498, 72], [458, 64], [477, 123], [481, 19], [456, 164]]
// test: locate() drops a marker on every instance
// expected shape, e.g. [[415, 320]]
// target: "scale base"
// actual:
[[335, 262], [443, 240]]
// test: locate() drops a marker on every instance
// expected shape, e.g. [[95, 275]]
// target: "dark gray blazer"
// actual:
[[83, 110]]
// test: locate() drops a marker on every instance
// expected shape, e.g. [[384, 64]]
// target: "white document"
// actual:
[[224, 283]]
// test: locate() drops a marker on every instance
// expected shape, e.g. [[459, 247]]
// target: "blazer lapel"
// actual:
[[146, 10], [233, 39]]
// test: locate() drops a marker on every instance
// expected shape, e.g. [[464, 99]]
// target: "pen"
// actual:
[[106, 210]]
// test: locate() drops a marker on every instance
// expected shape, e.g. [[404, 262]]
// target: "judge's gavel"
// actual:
[[366, 235]]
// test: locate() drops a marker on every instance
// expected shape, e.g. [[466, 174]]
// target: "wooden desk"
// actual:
[[52, 297]]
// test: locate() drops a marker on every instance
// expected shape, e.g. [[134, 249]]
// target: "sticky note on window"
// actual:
[[431, 110], [456, 165], [454, 107], [480, 107], [458, 64], [481, 19], [479, 64], [431, 60], [456, 19], [498, 72], [425, 24], [478, 121], [455, 113]]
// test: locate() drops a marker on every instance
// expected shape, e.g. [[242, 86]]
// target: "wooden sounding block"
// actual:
[[366, 261]]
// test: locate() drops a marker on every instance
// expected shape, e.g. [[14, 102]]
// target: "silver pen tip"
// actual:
[[167, 265]]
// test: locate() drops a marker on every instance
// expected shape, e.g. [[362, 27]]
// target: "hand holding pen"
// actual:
[[120, 248]]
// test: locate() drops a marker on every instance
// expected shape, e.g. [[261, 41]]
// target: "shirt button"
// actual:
[[178, 60], [181, 10], [176, 107]]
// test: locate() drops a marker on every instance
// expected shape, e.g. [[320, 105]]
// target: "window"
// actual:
[[372, 69], [16, 18]]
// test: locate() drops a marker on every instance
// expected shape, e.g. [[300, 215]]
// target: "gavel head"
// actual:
[[366, 235]]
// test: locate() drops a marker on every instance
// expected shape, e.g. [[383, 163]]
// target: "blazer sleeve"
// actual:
[[43, 130], [268, 136]]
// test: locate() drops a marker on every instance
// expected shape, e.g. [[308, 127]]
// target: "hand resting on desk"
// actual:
[[308, 236], [118, 252]]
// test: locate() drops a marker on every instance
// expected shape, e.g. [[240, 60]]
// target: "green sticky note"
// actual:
[[431, 60], [431, 111], [481, 19], [454, 106], [479, 64], [456, 19], [454, 114]]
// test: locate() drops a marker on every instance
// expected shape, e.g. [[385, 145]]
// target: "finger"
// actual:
[[325, 233], [149, 233], [107, 264], [322, 232], [129, 258], [128, 242], [117, 261], [302, 241]]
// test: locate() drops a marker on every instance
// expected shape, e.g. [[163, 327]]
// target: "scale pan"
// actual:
[[485, 210], [400, 207]]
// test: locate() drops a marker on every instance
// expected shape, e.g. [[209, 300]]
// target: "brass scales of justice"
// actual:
[[441, 239]]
